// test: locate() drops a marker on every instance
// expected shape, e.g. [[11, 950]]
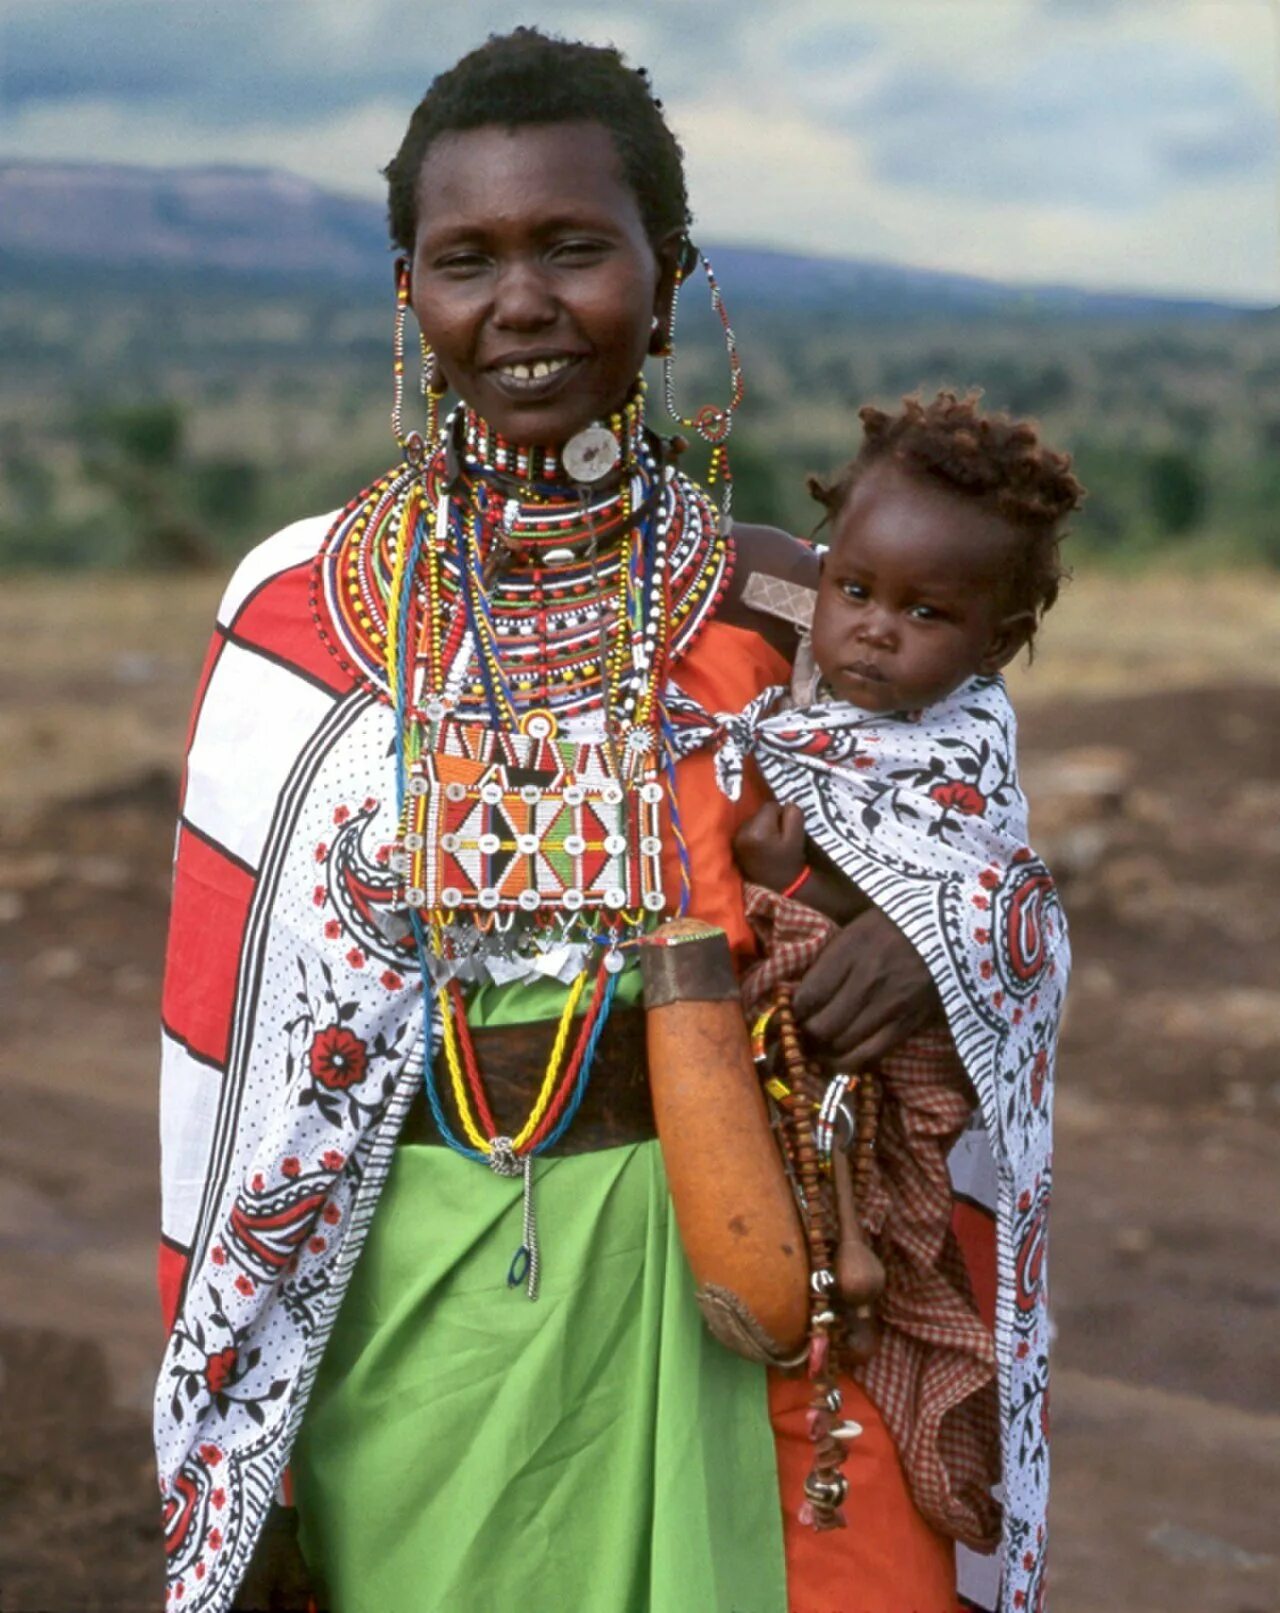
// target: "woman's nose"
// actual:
[[522, 298]]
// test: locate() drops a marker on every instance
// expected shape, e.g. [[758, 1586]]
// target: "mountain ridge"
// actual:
[[223, 220]]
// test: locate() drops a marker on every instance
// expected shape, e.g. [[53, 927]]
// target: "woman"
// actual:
[[514, 598]]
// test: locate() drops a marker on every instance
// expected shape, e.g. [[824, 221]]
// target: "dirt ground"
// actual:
[[1152, 753]]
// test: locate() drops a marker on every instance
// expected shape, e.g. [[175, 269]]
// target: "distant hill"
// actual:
[[265, 225]]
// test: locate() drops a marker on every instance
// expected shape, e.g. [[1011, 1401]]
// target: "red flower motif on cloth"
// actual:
[[864, 761], [356, 958], [337, 1058], [218, 1499], [244, 1285], [215, 1539], [291, 1166], [1023, 1350], [322, 851], [317, 1245], [391, 980], [1028, 1560], [332, 930], [210, 1454], [341, 814], [1039, 1070], [318, 895], [1019, 1598], [331, 1213], [963, 797], [332, 1160], [982, 902], [985, 969], [988, 879], [218, 1255], [982, 937], [219, 1369], [370, 803], [382, 855]]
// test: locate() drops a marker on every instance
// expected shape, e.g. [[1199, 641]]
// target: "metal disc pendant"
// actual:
[[590, 454]]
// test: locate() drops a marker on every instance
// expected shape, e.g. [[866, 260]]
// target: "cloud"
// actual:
[[1112, 128], [1085, 140]]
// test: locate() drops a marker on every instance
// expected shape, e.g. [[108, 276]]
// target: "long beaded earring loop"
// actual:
[[713, 422], [412, 442]]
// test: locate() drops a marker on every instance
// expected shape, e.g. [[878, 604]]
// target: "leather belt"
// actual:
[[615, 1109]]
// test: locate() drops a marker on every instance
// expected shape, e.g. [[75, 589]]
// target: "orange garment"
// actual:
[[888, 1560], [724, 671]]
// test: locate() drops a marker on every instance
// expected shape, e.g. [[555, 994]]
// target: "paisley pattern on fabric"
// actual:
[[925, 813]]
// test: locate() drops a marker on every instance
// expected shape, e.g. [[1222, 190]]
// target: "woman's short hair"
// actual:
[[529, 77]]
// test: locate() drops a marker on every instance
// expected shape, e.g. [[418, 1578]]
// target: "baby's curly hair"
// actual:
[[989, 457]]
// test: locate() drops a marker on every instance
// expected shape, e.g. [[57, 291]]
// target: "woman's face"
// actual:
[[533, 278]]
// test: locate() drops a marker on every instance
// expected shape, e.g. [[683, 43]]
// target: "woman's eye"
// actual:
[[579, 251], [461, 263]]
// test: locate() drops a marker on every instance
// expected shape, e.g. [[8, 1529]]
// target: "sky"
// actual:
[[1109, 144]]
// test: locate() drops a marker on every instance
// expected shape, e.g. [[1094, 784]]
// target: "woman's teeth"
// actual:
[[539, 370]]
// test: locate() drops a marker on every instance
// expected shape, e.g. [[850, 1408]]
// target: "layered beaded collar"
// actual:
[[490, 456], [552, 553]]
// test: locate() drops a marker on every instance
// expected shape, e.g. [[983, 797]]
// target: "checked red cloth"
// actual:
[[933, 1375]]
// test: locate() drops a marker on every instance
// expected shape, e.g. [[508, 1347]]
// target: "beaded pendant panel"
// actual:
[[529, 823]]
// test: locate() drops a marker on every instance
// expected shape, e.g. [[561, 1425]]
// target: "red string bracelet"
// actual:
[[796, 883]]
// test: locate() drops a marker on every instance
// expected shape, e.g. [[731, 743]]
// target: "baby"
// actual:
[[891, 760], [943, 558]]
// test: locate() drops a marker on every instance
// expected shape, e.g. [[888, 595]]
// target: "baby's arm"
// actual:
[[772, 850]]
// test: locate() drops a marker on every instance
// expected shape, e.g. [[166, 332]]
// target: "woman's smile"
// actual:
[[530, 376], [533, 278]]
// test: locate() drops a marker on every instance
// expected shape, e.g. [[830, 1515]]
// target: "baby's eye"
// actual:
[[926, 613], [853, 590]]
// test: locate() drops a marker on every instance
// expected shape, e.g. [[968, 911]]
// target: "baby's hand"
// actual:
[[769, 846]]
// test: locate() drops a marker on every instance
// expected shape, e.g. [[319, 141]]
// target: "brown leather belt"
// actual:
[[616, 1107]]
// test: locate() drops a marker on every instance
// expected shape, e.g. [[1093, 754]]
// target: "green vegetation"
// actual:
[[177, 423]]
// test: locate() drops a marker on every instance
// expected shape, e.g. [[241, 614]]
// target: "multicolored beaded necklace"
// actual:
[[520, 609]]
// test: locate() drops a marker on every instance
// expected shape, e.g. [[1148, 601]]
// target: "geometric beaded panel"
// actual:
[[529, 822]]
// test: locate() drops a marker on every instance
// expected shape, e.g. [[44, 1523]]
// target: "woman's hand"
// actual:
[[278, 1580], [866, 992]]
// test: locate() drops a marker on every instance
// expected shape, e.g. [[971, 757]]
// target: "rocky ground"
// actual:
[[1160, 808]]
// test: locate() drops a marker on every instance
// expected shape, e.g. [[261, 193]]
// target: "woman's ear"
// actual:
[[1010, 636], [402, 270], [672, 253]]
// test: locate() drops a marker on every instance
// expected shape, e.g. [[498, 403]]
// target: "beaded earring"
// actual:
[[713, 422], [432, 383]]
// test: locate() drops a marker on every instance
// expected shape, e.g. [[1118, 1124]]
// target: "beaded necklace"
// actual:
[[496, 602]]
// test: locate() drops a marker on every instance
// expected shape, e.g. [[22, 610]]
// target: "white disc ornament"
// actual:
[[590, 454]]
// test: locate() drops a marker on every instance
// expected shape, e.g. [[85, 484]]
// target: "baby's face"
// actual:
[[912, 599]]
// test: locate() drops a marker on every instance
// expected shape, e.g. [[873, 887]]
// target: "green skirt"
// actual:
[[595, 1451]]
